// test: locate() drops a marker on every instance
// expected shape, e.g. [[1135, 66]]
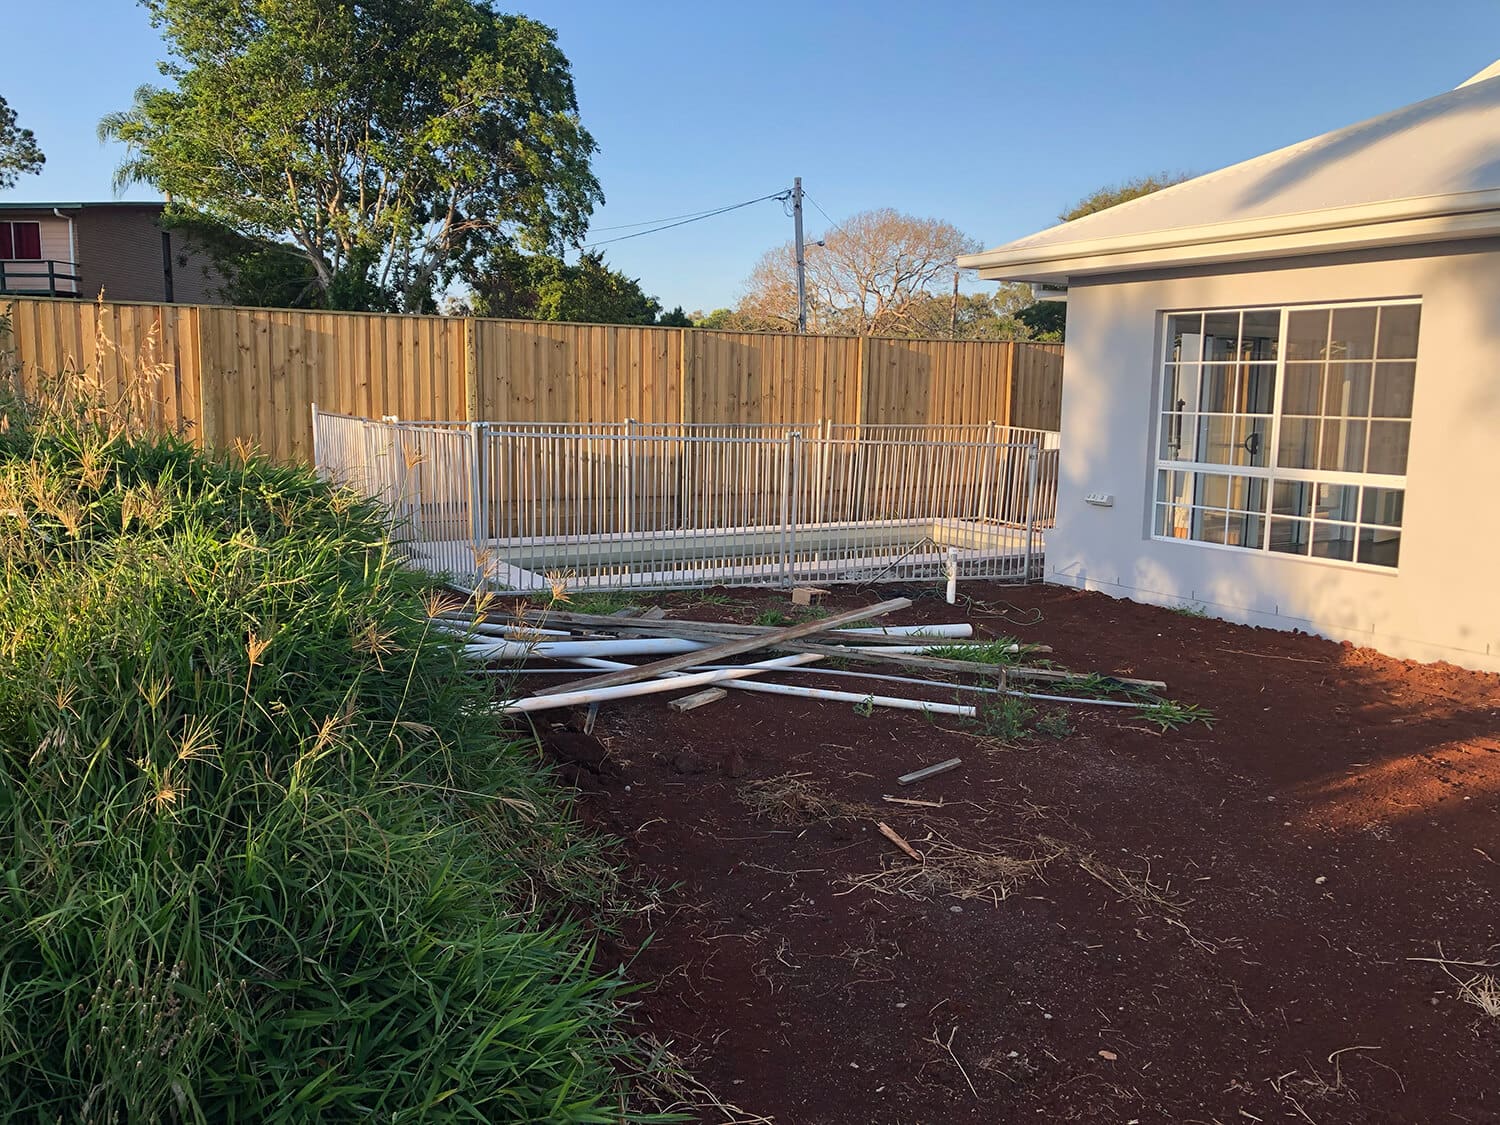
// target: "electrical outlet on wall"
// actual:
[[1099, 499]]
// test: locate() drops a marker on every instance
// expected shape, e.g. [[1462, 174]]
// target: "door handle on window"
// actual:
[[1251, 444]]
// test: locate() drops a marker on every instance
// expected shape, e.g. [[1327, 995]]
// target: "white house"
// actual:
[[1281, 393]]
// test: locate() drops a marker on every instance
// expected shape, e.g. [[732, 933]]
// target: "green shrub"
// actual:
[[266, 854]]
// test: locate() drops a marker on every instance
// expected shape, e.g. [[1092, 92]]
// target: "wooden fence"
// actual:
[[223, 374]]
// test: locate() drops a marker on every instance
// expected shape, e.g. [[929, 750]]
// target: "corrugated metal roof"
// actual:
[[8, 205]]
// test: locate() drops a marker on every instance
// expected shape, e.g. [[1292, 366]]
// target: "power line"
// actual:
[[684, 221], [663, 219], [825, 214]]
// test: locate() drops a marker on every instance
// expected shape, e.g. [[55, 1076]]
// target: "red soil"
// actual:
[[1339, 820]]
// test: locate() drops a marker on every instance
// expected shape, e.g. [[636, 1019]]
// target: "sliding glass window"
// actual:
[[1286, 429]]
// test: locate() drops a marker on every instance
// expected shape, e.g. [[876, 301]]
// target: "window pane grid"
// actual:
[[1287, 429]]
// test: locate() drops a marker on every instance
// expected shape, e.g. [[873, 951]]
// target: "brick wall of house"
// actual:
[[120, 250]]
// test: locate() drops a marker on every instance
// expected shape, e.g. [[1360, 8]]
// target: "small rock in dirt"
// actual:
[[687, 761], [1108, 1056], [956, 909], [1321, 879], [736, 766]]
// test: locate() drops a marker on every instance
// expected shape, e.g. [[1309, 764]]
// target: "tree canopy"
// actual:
[[393, 143], [872, 275], [1115, 194], [545, 287], [19, 153]]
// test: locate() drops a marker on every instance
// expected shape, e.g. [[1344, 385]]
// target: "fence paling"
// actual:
[[221, 374]]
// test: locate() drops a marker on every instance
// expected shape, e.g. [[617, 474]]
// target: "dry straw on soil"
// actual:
[[791, 799], [949, 869]]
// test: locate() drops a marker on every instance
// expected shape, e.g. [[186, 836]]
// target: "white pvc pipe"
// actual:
[[857, 697], [562, 650], [649, 687], [490, 629], [815, 693], [978, 688], [952, 575], [916, 630], [944, 630]]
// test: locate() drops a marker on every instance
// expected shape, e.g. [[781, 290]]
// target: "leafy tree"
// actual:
[[872, 275], [974, 316], [1115, 194], [1045, 320], [544, 287], [19, 153], [392, 142], [728, 320], [590, 292], [675, 318]]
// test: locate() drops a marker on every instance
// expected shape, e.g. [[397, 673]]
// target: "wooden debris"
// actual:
[[913, 801], [895, 837], [936, 663], [719, 652], [929, 771], [697, 699], [806, 595]]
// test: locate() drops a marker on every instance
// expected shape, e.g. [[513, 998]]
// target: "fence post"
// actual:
[[790, 478], [991, 451], [473, 405], [630, 474], [478, 522], [1031, 467], [317, 461]]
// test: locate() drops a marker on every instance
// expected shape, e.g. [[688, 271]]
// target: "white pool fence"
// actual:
[[667, 505]]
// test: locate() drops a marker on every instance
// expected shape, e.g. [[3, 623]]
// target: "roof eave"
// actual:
[[1059, 264]]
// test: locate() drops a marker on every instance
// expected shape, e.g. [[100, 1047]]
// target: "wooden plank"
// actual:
[[912, 660], [715, 653], [697, 699]]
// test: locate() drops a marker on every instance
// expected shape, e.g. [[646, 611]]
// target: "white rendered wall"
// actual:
[[1442, 603]]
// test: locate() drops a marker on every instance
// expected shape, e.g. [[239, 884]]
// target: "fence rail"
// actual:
[[223, 375], [521, 506]]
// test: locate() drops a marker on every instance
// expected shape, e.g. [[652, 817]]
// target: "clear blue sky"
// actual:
[[990, 115]]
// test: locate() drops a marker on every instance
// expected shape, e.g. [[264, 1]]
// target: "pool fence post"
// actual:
[[1031, 475]]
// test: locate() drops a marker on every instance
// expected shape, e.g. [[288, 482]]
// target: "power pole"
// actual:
[[953, 310], [801, 257]]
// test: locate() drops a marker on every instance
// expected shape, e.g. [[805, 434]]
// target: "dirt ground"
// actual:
[[1114, 924]]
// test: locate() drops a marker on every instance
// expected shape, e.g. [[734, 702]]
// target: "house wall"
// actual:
[[119, 252], [55, 246], [1443, 602]]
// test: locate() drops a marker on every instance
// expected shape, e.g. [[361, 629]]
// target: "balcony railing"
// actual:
[[44, 277]]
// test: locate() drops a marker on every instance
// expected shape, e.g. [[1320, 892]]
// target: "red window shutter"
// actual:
[[28, 240], [7, 250]]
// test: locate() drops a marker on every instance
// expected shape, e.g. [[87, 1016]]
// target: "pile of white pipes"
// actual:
[[564, 643]]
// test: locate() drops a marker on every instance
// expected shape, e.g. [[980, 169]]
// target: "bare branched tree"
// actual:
[[877, 273]]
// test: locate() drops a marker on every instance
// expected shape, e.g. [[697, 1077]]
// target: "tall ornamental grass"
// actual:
[[266, 856]]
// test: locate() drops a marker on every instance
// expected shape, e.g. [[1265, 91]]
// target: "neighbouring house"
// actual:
[[1281, 393], [81, 249]]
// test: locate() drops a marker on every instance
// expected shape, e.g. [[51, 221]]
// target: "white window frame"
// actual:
[[1271, 472]]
